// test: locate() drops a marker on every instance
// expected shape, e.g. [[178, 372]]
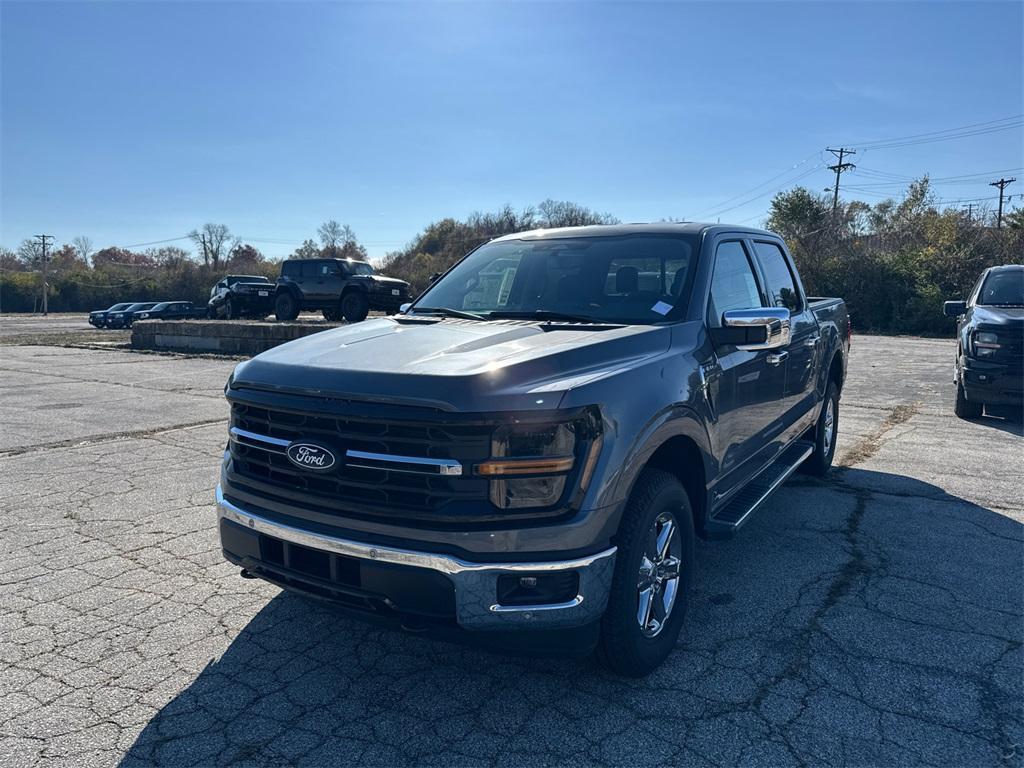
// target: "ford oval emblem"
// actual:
[[310, 456]]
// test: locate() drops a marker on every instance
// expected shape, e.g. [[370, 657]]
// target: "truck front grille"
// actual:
[[387, 467]]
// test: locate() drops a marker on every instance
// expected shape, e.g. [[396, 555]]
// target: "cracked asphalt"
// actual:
[[872, 618]]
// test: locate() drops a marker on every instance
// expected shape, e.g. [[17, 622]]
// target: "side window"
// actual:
[[310, 268], [779, 282], [329, 268], [733, 285], [290, 269]]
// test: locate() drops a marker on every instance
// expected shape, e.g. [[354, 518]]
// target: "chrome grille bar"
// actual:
[[419, 465]]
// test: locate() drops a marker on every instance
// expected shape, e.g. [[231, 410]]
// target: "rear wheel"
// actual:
[[825, 433], [653, 573], [355, 307], [286, 308], [230, 310]]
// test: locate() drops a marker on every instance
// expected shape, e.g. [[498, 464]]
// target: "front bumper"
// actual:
[[993, 383], [474, 586]]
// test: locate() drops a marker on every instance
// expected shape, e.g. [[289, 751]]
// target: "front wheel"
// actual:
[[230, 310], [964, 408], [654, 567], [286, 308], [825, 433], [355, 307]]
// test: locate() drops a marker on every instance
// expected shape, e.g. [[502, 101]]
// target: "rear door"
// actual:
[[746, 387], [784, 291]]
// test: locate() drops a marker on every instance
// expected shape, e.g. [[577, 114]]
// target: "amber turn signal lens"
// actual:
[[534, 466]]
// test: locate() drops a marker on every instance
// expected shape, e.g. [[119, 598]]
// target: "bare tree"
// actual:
[[31, 253], [84, 247], [214, 242], [332, 233]]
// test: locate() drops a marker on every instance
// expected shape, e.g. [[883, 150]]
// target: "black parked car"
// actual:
[[123, 318], [171, 310], [338, 287], [989, 366], [99, 317], [241, 296]]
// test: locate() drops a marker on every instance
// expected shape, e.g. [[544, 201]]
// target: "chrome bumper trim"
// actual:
[[498, 608], [475, 583]]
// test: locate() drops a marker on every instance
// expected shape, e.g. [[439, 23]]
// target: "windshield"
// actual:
[[1003, 289], [118, 307], [632, 279], [360, 268], [163, 305]]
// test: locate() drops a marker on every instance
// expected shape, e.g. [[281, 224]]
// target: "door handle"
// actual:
[[777, 358]]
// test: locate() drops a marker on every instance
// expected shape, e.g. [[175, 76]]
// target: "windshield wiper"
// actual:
[[543, 314], [449, 312]]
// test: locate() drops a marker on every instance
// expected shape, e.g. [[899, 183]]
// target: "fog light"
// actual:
[[539, 588]]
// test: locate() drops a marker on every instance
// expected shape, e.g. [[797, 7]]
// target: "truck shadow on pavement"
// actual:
[[863, 619]]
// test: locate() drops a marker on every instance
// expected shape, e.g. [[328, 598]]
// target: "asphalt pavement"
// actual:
[[871, 618]]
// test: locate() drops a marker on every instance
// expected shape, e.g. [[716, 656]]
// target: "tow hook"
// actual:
[[247, 574]]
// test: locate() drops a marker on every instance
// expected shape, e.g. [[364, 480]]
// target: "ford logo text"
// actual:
[[309, 456]]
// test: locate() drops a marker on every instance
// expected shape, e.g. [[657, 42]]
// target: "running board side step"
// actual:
[[735, 513]]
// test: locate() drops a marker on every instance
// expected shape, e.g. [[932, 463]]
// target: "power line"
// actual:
[[963, 131], [714, 210], [839, 168], [1002, 184]]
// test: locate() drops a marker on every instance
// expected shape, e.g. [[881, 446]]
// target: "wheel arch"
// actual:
[[677, 442]]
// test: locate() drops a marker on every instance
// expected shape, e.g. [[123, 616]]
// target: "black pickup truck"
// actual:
[[528, 451], [338, 287], [989, 368], [237, 296]]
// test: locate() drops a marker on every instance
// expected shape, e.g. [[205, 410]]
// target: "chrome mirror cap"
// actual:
[[775, 321]]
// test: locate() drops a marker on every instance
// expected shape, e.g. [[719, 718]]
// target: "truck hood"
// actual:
[[380, 280], [455, 365], [1012, 317]]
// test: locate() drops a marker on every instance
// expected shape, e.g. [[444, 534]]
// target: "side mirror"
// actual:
[[404, 308], [954, 308], [754, 329]]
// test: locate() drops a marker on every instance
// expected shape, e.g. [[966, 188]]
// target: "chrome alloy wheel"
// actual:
[[830, 424], [658, 579]]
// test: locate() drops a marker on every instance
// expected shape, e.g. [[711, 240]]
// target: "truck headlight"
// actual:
[[985, 344], [530, 464]]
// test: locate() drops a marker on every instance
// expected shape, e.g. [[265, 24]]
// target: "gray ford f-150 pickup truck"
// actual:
[[528, 451]]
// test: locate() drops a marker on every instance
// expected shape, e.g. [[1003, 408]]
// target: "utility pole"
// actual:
[[839, 168], [1002, 184], [970, 213], [46, 285]]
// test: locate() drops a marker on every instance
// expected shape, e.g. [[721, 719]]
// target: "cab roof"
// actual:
[[618, 230]]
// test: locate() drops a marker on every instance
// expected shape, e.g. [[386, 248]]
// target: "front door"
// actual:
[[746, 386]]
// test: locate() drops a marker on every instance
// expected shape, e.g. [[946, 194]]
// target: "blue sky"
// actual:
[[133, 122]]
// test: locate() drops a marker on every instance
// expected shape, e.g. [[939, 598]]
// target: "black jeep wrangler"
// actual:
[[339, 287]]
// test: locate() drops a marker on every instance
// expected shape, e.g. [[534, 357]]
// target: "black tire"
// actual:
[[625, 647], [211, 313], [826, 432], [286, 308], [964, 408], [355, 306], [332, 315], [230, 310]]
